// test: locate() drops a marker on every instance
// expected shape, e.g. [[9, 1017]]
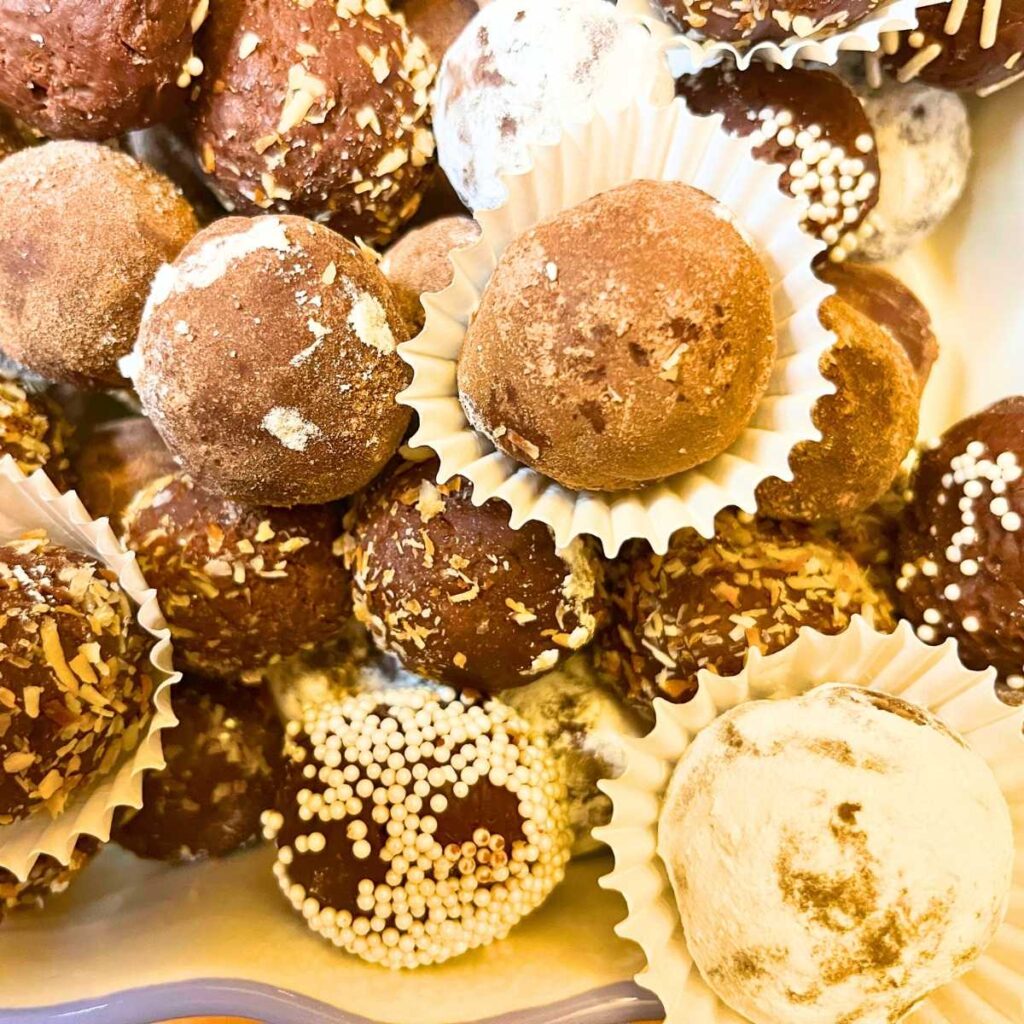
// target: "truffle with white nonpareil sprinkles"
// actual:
[[411, 829], [961, 544]]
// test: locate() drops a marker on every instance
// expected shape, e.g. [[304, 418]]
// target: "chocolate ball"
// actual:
[[621, 341], [458, 594], [85, 70], [76, 677], [811, 122], [739, 21], [65, 312], [317, 109], [439, 839], [706, 604], [239, 586], [970, 46], [14, 135], [418, 262], [47, 878], [868, 426], [267, 361], [437, 22], [961, 550], [223, 763], [34, 432]]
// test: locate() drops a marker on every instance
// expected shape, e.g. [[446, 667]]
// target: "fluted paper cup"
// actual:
[[642, 141], [992, 992], [33, 503]]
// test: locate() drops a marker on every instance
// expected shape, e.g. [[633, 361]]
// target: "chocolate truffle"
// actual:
[[968, 45], [80, 69], [223, 763], [34, 432], [437, 22], [586, 724], [811, 122], [76, 678], [835, 857], [66, 313], [642, 358], [962, 542], [14, 135], [316, 108], [868, 426], [443, 834], [458, 594], [419, 263], [239, 586], [706, 603], [47, 878], [267, 361], [740, 21]]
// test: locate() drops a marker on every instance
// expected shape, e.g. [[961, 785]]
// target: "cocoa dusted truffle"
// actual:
[[962, 542], [239, 586], [622, 341], [458, 594], [419, 263], [706, 603], [811, 122], [317, 108], [47, 878], [267, 361], [34, 432], [440, 838], [75, 673], [868, 426], [223, 763], [85, 70], [65, 312]]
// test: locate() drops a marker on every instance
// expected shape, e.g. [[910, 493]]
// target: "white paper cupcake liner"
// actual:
[[642, 141], [33, 503], [898, 663]]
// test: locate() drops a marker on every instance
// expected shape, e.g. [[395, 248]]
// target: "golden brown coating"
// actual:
[[418, 262], [267, 360], [239, 586], [83, 229], [458, 594], [47, 878], [318, 108], [622, 341], [706, 604], [75, 680], [34, 432], [868, 426]]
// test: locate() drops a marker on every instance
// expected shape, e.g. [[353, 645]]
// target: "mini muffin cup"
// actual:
[[641, 141], [932, 677], [33, 503]]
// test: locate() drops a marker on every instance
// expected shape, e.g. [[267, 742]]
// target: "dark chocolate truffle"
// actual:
[[740, 21], [411, 829], [92, 69], [811, 122], [622, 341], [75, 681], [239, 586], [47, 878], [34, 432], [418, 263], [706, 604], [223, 762], [437, 22], [962, 542], [458, 594], [267, 361], [83, 229], [868, 426], [317, 108]]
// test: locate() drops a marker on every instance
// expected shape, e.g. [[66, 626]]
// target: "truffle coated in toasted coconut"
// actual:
[[66, 313], [456, 593], [706, 603], [47, 878], [34, 432], [316, 107], [84, 69], [240, 586], [411, 828], [621, 341], [75, 685], [835, 857], [267, 361]]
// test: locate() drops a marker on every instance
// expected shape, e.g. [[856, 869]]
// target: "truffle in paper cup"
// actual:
[[33, 503], [641, 141], [898, 664]]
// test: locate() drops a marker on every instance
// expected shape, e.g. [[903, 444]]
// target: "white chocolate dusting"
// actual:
[[369, 320], [290, 428]]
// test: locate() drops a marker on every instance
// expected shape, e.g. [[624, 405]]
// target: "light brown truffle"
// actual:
[[34, 432], [622, 341]]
